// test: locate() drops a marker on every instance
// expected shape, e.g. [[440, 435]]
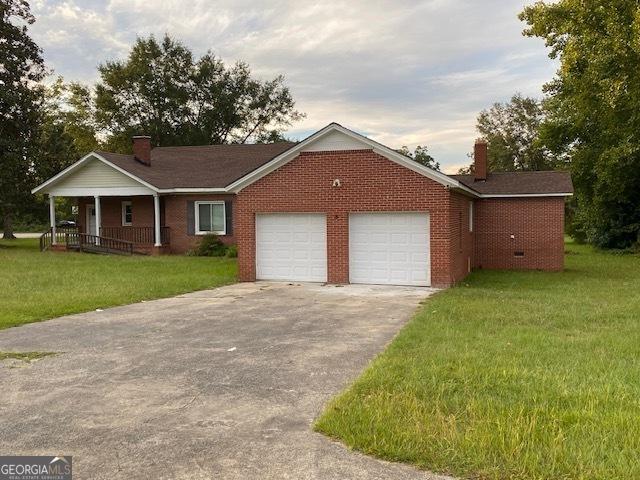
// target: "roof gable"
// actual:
[[95, 173], [91, 173], [335, 140], [337, 137]]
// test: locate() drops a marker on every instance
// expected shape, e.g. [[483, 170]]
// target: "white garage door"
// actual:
[[389, 248], [291, 246]]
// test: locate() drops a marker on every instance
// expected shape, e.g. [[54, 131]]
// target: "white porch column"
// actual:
[[98, 216], [156, 217], [52, 218]]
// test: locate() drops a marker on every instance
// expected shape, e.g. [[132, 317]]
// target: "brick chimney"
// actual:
[[142, 149], [480, 160]]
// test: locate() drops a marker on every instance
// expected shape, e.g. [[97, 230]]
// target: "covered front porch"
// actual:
[[117, 212], [111, 224]]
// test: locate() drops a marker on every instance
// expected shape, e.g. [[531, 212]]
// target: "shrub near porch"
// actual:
[[511, 375], [35, 286]]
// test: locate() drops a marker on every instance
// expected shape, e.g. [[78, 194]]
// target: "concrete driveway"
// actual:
[[221, 383]]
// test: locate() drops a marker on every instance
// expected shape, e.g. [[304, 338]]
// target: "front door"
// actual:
[[91, 220]]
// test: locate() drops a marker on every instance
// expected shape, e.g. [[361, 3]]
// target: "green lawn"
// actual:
[[36, 286], [511, 375]]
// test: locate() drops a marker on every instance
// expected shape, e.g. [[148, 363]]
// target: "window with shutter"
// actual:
[[210, 218]]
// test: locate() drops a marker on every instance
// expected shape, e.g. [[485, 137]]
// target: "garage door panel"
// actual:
[[421, 278], [400, 257], [301, 255], [400, 239], [319, 238], [359, 239], [318, 256], [301, 237], [419, 258], [399, 275], [291, 247], [389, 248]]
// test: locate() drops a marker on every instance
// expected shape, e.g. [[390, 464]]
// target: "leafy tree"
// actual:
[[67, 129], [71, 105], [65, 132], [21, 67], [468, 170], [163, 91], [421, 155], [593, 106], [513, 132]]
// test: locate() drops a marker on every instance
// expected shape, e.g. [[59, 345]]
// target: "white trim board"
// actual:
[[99, 191]]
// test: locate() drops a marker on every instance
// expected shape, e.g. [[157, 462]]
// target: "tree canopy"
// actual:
[[21, 68], [160, 89], [66, 131], [163, 91], [421, 155], [512, 130], [593, 110]]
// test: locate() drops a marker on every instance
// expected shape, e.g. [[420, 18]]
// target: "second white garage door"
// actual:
[[389, 248], [291, 246]]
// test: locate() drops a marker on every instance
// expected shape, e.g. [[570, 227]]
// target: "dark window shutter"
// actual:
[[191, 218], [228, 212]]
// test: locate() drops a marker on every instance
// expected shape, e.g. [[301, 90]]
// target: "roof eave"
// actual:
[[525, 195]]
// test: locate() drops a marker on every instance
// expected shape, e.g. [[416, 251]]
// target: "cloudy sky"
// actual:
[[402, 72]]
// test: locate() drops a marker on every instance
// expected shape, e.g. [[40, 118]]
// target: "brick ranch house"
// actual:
[[337, 207]]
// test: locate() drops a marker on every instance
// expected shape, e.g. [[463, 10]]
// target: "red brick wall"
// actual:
[[142, 211], [175, 213], [111, 211], [537, 225], [461, 238], [370, 182]]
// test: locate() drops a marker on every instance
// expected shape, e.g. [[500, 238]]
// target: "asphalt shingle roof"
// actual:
[[209, 166], [217, 166], [523, 183]]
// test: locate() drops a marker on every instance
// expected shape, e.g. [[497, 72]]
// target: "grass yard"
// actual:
[[35, 286], [27, 357], [511, 375]]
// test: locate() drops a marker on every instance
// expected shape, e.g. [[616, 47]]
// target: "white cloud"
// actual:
[[404, 72]]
